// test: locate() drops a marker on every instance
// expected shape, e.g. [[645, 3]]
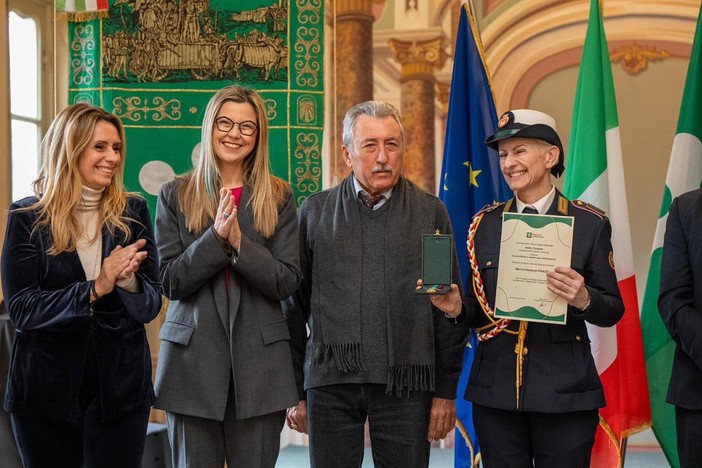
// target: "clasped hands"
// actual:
[[226, 223]]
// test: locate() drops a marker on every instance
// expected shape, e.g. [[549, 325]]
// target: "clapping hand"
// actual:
[[122, 263]]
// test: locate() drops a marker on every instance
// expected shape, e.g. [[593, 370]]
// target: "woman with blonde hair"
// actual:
[[228, 245], [80, 279]]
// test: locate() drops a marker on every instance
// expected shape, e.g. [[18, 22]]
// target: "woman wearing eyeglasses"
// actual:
[[227, 239]]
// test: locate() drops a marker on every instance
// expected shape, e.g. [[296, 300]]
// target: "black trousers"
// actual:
[[87, 442], [517, 439], [688, 424]]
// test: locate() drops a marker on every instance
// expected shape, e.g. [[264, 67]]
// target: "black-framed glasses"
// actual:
[[247, 127]]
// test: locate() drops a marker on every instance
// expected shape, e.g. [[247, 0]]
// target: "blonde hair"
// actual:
[[58, 186], [199, 196]]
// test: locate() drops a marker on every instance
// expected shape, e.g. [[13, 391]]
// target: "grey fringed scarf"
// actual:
[[335, 283]]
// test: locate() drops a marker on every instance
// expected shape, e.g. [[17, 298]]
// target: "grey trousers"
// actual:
[[208, 443]]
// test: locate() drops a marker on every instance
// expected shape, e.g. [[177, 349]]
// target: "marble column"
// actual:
[[418, 60], [353, 59]]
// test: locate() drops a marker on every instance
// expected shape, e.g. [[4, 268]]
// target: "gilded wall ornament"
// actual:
[[635, 57]]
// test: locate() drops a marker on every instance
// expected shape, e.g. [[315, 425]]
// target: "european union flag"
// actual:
[[471, 179]]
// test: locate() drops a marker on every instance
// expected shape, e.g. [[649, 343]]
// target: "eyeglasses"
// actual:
[[246, 127]]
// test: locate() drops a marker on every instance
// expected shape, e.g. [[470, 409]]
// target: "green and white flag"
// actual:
[[684, 174]]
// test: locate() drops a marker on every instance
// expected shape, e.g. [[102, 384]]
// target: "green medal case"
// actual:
[[437, 263]]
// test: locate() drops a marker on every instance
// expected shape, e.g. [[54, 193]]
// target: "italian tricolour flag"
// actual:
[[684, 174], [595, 174], [81, 10]]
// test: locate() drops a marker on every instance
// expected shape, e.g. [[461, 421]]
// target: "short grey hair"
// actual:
[[377, 109]]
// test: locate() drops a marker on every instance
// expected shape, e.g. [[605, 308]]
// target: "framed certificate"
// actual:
[[532, 245]]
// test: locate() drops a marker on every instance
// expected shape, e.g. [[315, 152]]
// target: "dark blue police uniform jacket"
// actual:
[[559, 373], [48, 299]]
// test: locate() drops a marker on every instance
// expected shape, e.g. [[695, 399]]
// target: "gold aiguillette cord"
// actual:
[[520, 350]]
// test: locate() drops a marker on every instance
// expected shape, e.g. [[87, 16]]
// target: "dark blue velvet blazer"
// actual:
[[48, 299]]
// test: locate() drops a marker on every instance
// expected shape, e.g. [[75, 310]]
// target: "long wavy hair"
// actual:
[[58, 186], [199, 195]]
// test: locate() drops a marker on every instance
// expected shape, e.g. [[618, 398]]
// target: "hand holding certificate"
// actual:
[[532, 245]]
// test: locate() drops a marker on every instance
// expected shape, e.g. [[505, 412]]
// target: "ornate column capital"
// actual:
[[347, 9], [419, 58]]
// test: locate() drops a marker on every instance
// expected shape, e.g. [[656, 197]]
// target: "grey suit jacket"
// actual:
[[216, 332]]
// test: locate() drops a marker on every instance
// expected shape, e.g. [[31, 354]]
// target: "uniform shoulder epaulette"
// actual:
[[488, 208], [588, 207]]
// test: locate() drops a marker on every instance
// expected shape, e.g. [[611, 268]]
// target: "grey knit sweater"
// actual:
[[366, 323]]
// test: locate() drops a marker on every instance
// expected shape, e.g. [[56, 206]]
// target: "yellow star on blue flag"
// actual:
[[472, 174]]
